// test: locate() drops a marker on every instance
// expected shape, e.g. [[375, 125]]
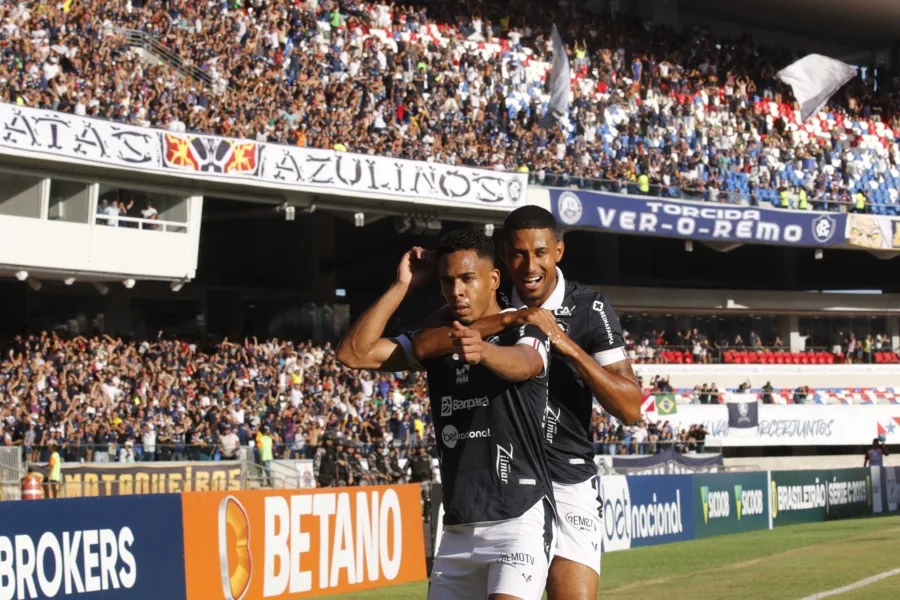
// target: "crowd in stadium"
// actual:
[[101, 399], [696, 347], [656, 112]]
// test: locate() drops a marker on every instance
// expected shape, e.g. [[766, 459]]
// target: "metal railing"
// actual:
[[140, 223], [148, 43], [763, 198]]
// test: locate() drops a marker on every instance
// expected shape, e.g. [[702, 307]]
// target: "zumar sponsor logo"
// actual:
[[581, 522], [450, 435], [73, 562], [449, 405], [368, 547]]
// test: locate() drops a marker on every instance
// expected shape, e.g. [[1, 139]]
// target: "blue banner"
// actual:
[[667, 462], [92, 548], [645, 511], [707, 221]]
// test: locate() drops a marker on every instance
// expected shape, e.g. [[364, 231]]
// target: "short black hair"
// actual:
[[467, 239], [529, 217]]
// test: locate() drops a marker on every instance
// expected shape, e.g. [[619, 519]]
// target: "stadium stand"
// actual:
[[859, 396], [711, 123]]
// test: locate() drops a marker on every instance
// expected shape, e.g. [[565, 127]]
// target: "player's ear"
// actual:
[[495, 279], [560, 247]]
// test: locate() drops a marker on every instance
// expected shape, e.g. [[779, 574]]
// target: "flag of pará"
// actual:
[[814, 79], [743, 415]]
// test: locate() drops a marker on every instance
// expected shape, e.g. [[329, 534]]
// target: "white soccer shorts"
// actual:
[[507, 557], [580, 524]]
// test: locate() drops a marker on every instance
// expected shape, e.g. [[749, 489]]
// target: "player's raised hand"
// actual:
[[415, 267], [467, 343], [545, 321]]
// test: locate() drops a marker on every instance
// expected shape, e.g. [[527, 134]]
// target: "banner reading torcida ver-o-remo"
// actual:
[[298, 544]]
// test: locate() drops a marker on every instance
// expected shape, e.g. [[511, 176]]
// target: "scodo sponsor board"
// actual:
[[301, 544], [646, 510], [92, 548], [730, 503]]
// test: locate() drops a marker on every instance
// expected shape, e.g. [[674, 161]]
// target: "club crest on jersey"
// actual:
[[564, 326], [462, 374], [493, 339], [564, 311], [504, 462]]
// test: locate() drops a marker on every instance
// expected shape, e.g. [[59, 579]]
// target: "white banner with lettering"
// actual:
[[69, 137], [797, 425]]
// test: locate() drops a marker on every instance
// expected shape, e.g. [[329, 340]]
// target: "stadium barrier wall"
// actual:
[[103, 479]]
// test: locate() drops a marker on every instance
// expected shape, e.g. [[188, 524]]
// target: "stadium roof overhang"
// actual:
[[863, 23]]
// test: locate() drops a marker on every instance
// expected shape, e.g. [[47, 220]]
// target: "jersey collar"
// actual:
[[555, 299]]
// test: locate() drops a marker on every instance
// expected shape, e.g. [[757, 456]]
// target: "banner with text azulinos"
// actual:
[[301, 544]]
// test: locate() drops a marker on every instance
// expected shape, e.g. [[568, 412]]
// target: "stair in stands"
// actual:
[[155, 52]]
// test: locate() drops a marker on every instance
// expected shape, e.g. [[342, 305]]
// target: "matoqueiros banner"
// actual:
[[67, 137], [104, 479], [707, 221]]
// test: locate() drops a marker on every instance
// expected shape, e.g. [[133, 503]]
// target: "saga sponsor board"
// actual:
[[730, 503], [301, 543], [645, 510], [695, 220], [93, 479], [92, 548]]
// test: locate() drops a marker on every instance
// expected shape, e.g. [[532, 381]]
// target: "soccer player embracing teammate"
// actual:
[[523, 437]]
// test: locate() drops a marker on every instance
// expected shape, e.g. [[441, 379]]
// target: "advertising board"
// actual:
[[798, 497], [102, 479], [646, 510], [849, 493], [730, 503], [301, 543], [695, 220], [93, 548]]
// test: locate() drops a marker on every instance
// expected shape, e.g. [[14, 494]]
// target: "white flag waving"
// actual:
[[814, 79], [560, 83]]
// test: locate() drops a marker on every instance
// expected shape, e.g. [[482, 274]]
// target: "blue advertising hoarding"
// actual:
[[707, 221], [129, 547], [646, 510]]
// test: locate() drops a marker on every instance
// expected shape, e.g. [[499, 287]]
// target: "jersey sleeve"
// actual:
[[531, 335], [405, 342], [604, 339]]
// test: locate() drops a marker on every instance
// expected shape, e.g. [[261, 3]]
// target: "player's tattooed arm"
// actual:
[[437, 337]]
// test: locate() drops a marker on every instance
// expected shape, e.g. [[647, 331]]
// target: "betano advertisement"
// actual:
[[730, 503], [300, 544]]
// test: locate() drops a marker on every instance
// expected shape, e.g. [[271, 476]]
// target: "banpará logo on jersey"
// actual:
[[462, 374], [450, 435], [570, 208], [449, 404], [564, 311], [504, 462], [581, 522], [749, 502]]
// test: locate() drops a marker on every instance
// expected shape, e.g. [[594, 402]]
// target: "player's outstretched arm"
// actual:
[[437, 338], [363, 347]]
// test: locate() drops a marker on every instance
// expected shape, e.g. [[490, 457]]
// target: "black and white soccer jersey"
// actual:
[[590, 321], [489, 434]]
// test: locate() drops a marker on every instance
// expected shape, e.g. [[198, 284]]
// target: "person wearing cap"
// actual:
[[325, 461]]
